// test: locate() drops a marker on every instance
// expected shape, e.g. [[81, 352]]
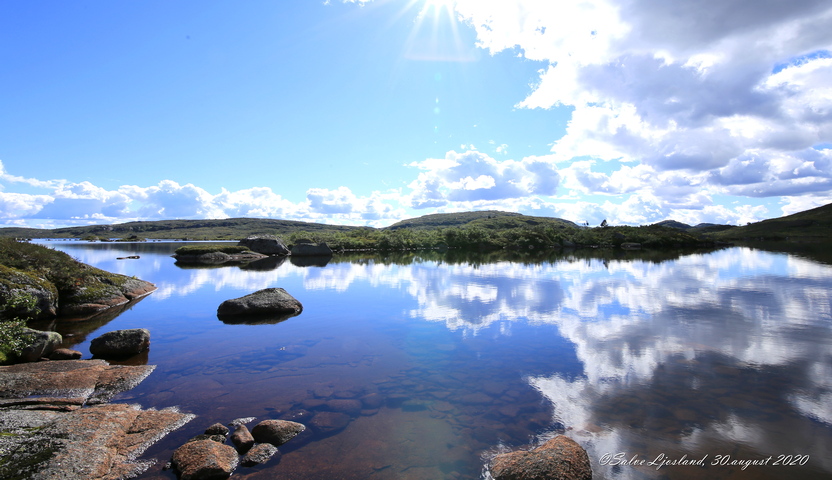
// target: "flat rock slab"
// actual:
[[100, 442], [68, 383]]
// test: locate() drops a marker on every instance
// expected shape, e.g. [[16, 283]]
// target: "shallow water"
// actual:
[[437, 363]]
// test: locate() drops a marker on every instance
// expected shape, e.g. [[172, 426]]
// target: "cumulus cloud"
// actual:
[[474, 176], [65, 203], [731, 88]]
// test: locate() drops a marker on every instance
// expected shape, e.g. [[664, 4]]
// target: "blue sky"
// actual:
[[366, 113]]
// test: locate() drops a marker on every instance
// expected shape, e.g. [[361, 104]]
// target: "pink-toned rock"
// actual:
[[561, 458], [205, 460], [65, 354]]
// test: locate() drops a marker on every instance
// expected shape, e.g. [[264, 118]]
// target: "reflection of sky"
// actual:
[[630, 322]]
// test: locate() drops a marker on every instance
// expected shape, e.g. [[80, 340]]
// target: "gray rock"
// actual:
[[121, 343], [242, 439], [205, 460], [311, 249], [260, 453], [41, 345], [262, 302], [265, 244], [276, 432], [561, 458]]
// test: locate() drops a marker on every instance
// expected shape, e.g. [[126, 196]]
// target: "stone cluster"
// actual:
[[208, 456]]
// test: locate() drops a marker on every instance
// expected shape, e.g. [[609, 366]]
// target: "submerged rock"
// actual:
[[561, 458], [262, 302], [265, 244], [205, 460], [329, 422], [121, 343]]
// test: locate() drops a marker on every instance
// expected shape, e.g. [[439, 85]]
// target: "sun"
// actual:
[[437, 7], [435, 34]]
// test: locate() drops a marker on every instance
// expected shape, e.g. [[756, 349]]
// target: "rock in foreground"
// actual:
[[121, 343], [561, 458], [205, 460], [262, 302], [45, 434]]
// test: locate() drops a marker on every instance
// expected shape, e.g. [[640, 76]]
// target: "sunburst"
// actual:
[[435, 32]]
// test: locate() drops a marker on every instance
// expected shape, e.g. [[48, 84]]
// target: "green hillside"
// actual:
[[450, 219], [813, 225]]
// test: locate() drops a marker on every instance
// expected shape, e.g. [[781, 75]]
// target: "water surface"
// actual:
[[439, 362]]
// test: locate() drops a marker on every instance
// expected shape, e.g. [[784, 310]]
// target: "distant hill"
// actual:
[[673, 224], [811, 225], [450, 219], [225, 229], [699, 229]]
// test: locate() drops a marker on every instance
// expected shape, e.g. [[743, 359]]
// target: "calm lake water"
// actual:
[[440, 362]]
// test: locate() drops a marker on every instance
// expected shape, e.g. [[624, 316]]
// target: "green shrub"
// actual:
[[13, 338]]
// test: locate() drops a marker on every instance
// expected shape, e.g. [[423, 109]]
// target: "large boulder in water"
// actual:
[[311, 250], [265, 244], [262, 302], [121, 343], [561, 458]]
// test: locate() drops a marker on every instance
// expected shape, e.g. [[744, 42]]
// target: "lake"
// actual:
[[441, 361]]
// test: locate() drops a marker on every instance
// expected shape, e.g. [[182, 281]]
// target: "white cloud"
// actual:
[[678, 85], [474, 176], [65, 203]]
